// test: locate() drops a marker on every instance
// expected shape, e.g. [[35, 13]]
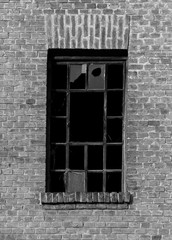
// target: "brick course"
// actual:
[[27, 29]]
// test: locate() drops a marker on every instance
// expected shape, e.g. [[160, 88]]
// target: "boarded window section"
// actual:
[[76, 182], [78, 76], [86, 116], [96, 77], [59, 76]]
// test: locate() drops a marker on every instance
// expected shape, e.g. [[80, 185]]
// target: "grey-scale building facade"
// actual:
[[43, 42]]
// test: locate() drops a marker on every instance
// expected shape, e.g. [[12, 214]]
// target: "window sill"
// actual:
[[86, 200]]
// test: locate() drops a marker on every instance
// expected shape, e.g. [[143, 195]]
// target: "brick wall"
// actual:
[[27, 29]]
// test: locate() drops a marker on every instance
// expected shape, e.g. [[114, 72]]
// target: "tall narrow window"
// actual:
[[85, 120]]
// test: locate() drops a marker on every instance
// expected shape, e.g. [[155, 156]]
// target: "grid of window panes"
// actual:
[[86, 127]]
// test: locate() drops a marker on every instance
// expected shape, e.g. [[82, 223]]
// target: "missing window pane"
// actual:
[[76, 157], [58, 157], [113, 182], [58, 105], [114, 103], [95, 157], [59, 76], [114, 130], [76, 182], [115, 76], [58, 132], [57, 182], [96, 76], [77, 76], [86, 117], [114, 157], [95, 182]]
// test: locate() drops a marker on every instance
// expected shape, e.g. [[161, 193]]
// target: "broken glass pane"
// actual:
[[76, 157], [58, 105], [114, 103], [58, 157], [94, 182], [59, 76], [77, 76], [114, 130], [58, 133], [86, 116], [95, 157], [115, 76], [76, 182], [96, 76], [114, 157], [113, 182], [57, 183]]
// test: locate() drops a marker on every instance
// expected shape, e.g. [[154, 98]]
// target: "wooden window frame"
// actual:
[[82, 56]]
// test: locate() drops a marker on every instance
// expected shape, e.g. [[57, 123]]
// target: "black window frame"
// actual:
[[73, 56]]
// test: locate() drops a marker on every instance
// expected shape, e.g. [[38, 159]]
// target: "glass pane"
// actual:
[[114, 157], [96, 76], [115, 76], [76, 181], [86, 116], [76, 157], [77, 76], [95, 157], [113, 182], [114, 103], [59, 76], [94, 182], [114, 130], [58, 157], [58, 104], [58, 130], [57, 182]]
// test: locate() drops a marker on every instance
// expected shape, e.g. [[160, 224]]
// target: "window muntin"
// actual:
[[86, 127]]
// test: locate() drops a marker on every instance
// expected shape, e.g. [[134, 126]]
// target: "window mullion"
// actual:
[[104, 135], [86, 164], [67, 121]]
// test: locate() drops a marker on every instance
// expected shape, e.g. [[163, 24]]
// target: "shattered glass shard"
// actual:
[[77, 76], [96, 76]]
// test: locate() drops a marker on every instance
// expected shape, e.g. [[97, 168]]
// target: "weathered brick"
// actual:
[[91, 6], [28, 29]]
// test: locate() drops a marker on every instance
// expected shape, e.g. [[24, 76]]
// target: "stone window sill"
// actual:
[[88, 200]]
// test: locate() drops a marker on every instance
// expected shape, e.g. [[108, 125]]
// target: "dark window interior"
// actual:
[[115, 76], [95, 182], [76, 157], [95, 157], [85, 117], [58, 157], [59, 76]]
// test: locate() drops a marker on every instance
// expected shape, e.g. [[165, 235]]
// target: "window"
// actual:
[[85, 120]]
